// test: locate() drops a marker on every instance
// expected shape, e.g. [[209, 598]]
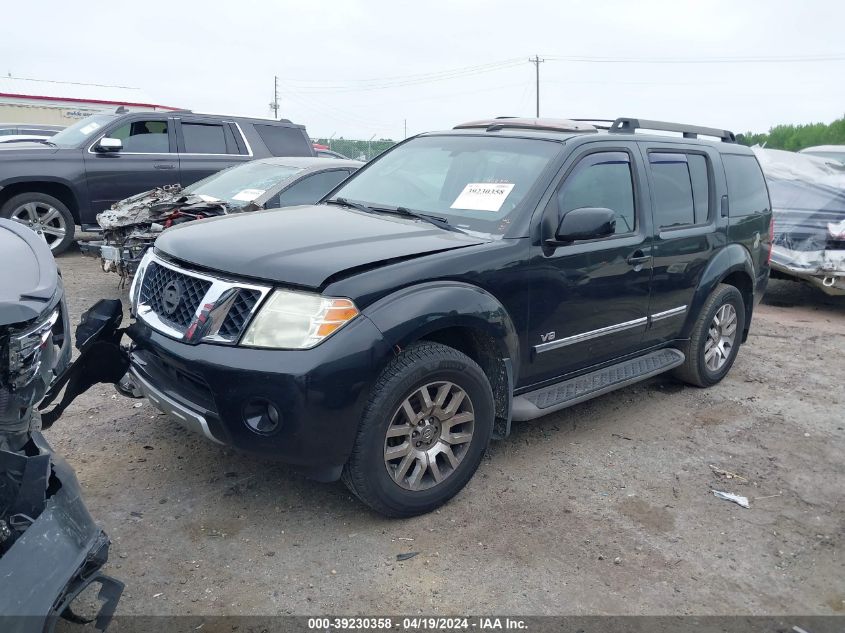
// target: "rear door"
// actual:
[[148, 160], [685, 187], [589, 299], [206, 145]]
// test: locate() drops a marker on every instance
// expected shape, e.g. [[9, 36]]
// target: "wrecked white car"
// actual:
[[131, 226], [808, 203]]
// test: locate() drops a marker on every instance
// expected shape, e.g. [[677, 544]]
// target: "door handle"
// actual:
[[637, 259], [164, 166]]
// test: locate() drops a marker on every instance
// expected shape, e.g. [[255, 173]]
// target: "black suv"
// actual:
[[499, 271], [53, 184]]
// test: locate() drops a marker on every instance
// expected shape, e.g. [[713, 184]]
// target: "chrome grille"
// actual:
[[191, 291], [192, 306], [239, 313]]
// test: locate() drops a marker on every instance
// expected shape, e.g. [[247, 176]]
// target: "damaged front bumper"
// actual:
[[122, 260], [60, 550]]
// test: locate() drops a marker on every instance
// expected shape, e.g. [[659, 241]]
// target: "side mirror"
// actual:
[[108, 144], [586, 223]]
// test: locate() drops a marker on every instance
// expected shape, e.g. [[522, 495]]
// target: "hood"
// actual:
[[26, 150], [304, 245], [27, 288]]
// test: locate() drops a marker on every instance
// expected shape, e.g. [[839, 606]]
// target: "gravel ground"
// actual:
[[604, 508]]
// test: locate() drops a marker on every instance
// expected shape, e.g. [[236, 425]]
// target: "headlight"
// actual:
[[25, 350], [298, 320]]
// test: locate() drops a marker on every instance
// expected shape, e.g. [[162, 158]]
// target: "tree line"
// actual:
[[795, 137]]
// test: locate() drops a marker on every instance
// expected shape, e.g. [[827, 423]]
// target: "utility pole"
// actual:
[[537, 61], [274, 105]]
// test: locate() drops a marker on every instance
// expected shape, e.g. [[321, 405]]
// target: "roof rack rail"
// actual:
[[629, 125], [599, 124], [522, 123]]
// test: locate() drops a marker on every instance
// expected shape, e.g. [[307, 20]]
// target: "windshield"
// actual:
[[474, 182], [81, 130], [243, 183]]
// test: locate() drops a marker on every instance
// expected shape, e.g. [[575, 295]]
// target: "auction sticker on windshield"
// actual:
[[248, 195], [87, 129], [483, 196]]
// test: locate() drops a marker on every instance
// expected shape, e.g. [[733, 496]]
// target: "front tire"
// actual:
[[423, 433], [715, 339], [44, 214]]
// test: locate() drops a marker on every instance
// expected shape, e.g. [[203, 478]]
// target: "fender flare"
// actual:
[[413, 312], [74, 190], [731, 259]]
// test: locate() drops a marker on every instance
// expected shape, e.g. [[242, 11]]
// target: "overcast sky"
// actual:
[[357, 68]]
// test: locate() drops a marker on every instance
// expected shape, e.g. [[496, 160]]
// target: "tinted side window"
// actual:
[[311, 188], [746, 186], [673, 204], [284, 141], [601, 180], [204, 138], [700, 186], [143, 137]]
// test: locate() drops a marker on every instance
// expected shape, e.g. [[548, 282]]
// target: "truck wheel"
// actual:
[[715, 338], [423, 432], [46, 215]]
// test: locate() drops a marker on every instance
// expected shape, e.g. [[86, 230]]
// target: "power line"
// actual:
[[700, 60], [412, 76], [364, 87]]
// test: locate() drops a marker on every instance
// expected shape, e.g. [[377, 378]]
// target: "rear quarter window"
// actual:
[[747, 193], [284, 141]]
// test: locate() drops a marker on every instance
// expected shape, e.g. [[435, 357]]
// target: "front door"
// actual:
[[148, 160], [589, 299]]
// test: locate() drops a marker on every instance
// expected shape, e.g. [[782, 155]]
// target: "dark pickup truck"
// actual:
[[499, 271], [53, 184]]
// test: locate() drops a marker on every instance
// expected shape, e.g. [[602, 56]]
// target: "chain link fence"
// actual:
[[357, 150]]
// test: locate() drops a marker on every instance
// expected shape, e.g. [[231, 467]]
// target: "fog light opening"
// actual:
[[262, 416]]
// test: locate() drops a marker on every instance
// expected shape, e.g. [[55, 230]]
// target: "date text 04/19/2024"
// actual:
[[417, 624]]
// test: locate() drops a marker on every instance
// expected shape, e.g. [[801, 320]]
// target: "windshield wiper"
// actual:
[[349, 203], [405, 212], [45, 141], [436, 220]]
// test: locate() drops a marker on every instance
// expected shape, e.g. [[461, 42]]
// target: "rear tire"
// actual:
[[44, 214], [715, 338], [423, 432]]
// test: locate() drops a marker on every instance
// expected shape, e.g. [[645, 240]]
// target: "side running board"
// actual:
[[569, 392]]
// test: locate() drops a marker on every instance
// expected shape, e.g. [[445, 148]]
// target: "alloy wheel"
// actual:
[[44, 219], [721, 337], [429, 435]]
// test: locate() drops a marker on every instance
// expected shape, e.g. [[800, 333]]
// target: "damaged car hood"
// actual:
[[305, 245]]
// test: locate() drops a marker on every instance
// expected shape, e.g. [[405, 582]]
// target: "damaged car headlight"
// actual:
[[298, 320], [26, 348]]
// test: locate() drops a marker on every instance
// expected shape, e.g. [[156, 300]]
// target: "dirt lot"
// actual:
[[604, 508]]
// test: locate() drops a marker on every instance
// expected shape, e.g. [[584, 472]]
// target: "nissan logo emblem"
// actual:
[[171, 297]]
